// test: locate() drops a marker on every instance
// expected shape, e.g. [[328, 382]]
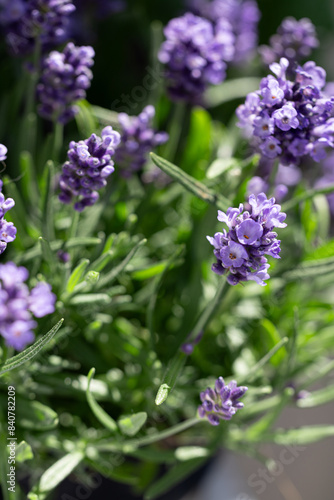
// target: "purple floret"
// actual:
[[7, 229], [64, 80], [222, 402], [18, 304], [89, 164], [138, 138], [241, 251]]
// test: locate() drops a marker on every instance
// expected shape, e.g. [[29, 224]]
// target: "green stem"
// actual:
[[74, 225], [208, 312], [57, 140], [33, 79], [175, 130], [136, 443]]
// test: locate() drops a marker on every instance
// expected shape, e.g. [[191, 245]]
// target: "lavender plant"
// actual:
[[124, 349]]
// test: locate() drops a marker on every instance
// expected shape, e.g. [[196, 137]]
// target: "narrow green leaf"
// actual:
[[34, 415], [36, 251], [310, 269], [47, 253], [271, 339], [325, 251], [76, 275], [47, 202], [304, 435], [131, 424], [184, 453], [230, 90], [56, 474], [89, 299], [102, 416], [23, 452], [306, 196], [173, 371], [316, 398], [85, 118], [105, 116], [194, 186], [256, 430], [29, 185], [253, 372], [31, 351], [149, 272], [153, 299], [101, 262], [173, 477], [108, 278]]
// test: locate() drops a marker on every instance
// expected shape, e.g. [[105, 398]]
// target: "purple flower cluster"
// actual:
[[290, 119], [294, 40], [7, 229], [194, 53], [88, 166], [18, 304], [240, 16], [222, 402], [137, 139], [26, 21], [241, 251], [64, 80]]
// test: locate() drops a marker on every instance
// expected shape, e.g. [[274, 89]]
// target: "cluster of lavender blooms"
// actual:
[[137, 139], [194, 53], [88, 166], [241, 17], [290, 119], [26, 21], [64, 80], [7, 229], [294, 40], [18, 305], [241, 251], [222, 402]]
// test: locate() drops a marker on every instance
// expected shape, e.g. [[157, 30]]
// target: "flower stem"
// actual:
[[207, 313], [57, 140], [126, 446]]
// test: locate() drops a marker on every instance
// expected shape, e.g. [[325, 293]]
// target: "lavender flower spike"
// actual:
[[25, 21], [242, 16], [64, 80], [7, 229], [222, 402], [89, 164], [18, 304], [194, 53], [241, 251], [137, 139], [290, 117], [294, 40]]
